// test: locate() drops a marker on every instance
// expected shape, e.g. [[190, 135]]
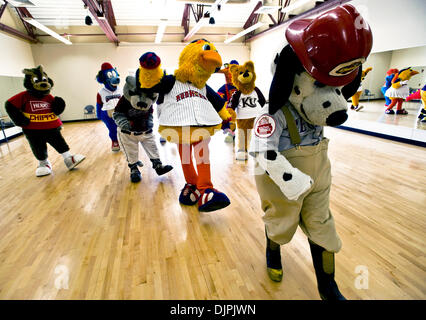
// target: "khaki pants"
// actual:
[[311, 211]]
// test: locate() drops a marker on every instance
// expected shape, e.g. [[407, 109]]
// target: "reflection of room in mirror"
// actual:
[[372, 116]]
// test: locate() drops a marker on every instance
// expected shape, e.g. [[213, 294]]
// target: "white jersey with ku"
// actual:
[[248, 106], [186, 105]]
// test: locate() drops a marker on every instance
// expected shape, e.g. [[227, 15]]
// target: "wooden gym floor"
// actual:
[[112, 239]]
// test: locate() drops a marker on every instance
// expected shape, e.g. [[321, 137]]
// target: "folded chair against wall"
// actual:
[[89, 112]]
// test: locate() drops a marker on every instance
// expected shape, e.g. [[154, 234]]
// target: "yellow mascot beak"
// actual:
[[210, 60], [412, 73]]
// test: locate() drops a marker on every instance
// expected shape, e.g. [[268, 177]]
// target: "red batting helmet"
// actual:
[[333, 45]]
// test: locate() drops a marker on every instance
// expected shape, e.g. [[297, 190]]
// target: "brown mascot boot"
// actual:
[[273, 260], [324, 269]]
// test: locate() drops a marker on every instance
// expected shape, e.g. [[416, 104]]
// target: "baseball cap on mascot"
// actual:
[[332, 46]]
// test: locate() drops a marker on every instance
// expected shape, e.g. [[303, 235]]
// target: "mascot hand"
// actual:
[[292, 182], [226, 113], [58, 105], [121, 121]]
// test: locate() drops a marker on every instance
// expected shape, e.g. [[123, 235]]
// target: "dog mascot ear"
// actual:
[[282, 83], [351, 88]]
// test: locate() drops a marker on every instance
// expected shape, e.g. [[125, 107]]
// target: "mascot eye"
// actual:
[[109, 74], [35, 79], [44, 79], [206, 47]]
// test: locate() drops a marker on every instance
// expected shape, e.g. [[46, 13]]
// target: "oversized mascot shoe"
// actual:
[[212, 200], [189, 195], [163, 169], [402, 111], [324, 270], [135, 174], [273, 261], [229, 138], [115, 146], [44, 170], [73, 161], [241, 156]]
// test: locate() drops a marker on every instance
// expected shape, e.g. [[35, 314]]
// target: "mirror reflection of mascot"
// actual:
[[388, 82], [355, 98], [226, 91], [293, 177], [134, 117], [420, 95], [189, 113], [37, 111], [106, 100], [399, 90], [247, 102]]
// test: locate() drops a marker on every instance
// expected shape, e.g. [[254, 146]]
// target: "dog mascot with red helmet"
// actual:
[[315, 73]]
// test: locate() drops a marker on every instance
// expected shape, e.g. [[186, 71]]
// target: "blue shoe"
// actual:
[[189, 195], [212, 200]]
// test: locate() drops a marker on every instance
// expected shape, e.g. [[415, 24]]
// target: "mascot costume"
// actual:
[[388, 82], [134, 116], [316, 72], [399, 90], [37, 111], [107, 99], [355, 98], [420, 95], [226, 91], [247, 102], [189, 113]]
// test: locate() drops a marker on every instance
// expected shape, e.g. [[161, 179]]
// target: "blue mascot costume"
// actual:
[[107, 99], [388, 83]]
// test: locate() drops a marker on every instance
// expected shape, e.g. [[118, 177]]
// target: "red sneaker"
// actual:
[[115, 146]]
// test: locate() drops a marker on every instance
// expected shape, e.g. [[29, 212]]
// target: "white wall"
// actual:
[[395, 24], [262, 52], [15, 54], [74, 68], [411, 57]]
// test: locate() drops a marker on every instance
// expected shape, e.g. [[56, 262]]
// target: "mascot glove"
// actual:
[[292, 182], [58, 105], [121, 121]]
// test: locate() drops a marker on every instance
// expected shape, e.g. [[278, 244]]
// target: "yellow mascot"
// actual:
[[189, 113]]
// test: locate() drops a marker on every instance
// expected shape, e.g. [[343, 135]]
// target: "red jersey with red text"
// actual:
[[38, 110]]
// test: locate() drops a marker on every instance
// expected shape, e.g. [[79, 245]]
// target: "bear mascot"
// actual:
[[37, 111]]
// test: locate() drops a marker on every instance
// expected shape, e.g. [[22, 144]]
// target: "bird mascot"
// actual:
[[226, 91], [355, 98], [420, 95], [388, 82], [399, 90], [189, 113]]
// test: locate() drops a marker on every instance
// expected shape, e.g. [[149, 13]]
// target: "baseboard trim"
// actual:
[[11, 137], [385, 136]]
